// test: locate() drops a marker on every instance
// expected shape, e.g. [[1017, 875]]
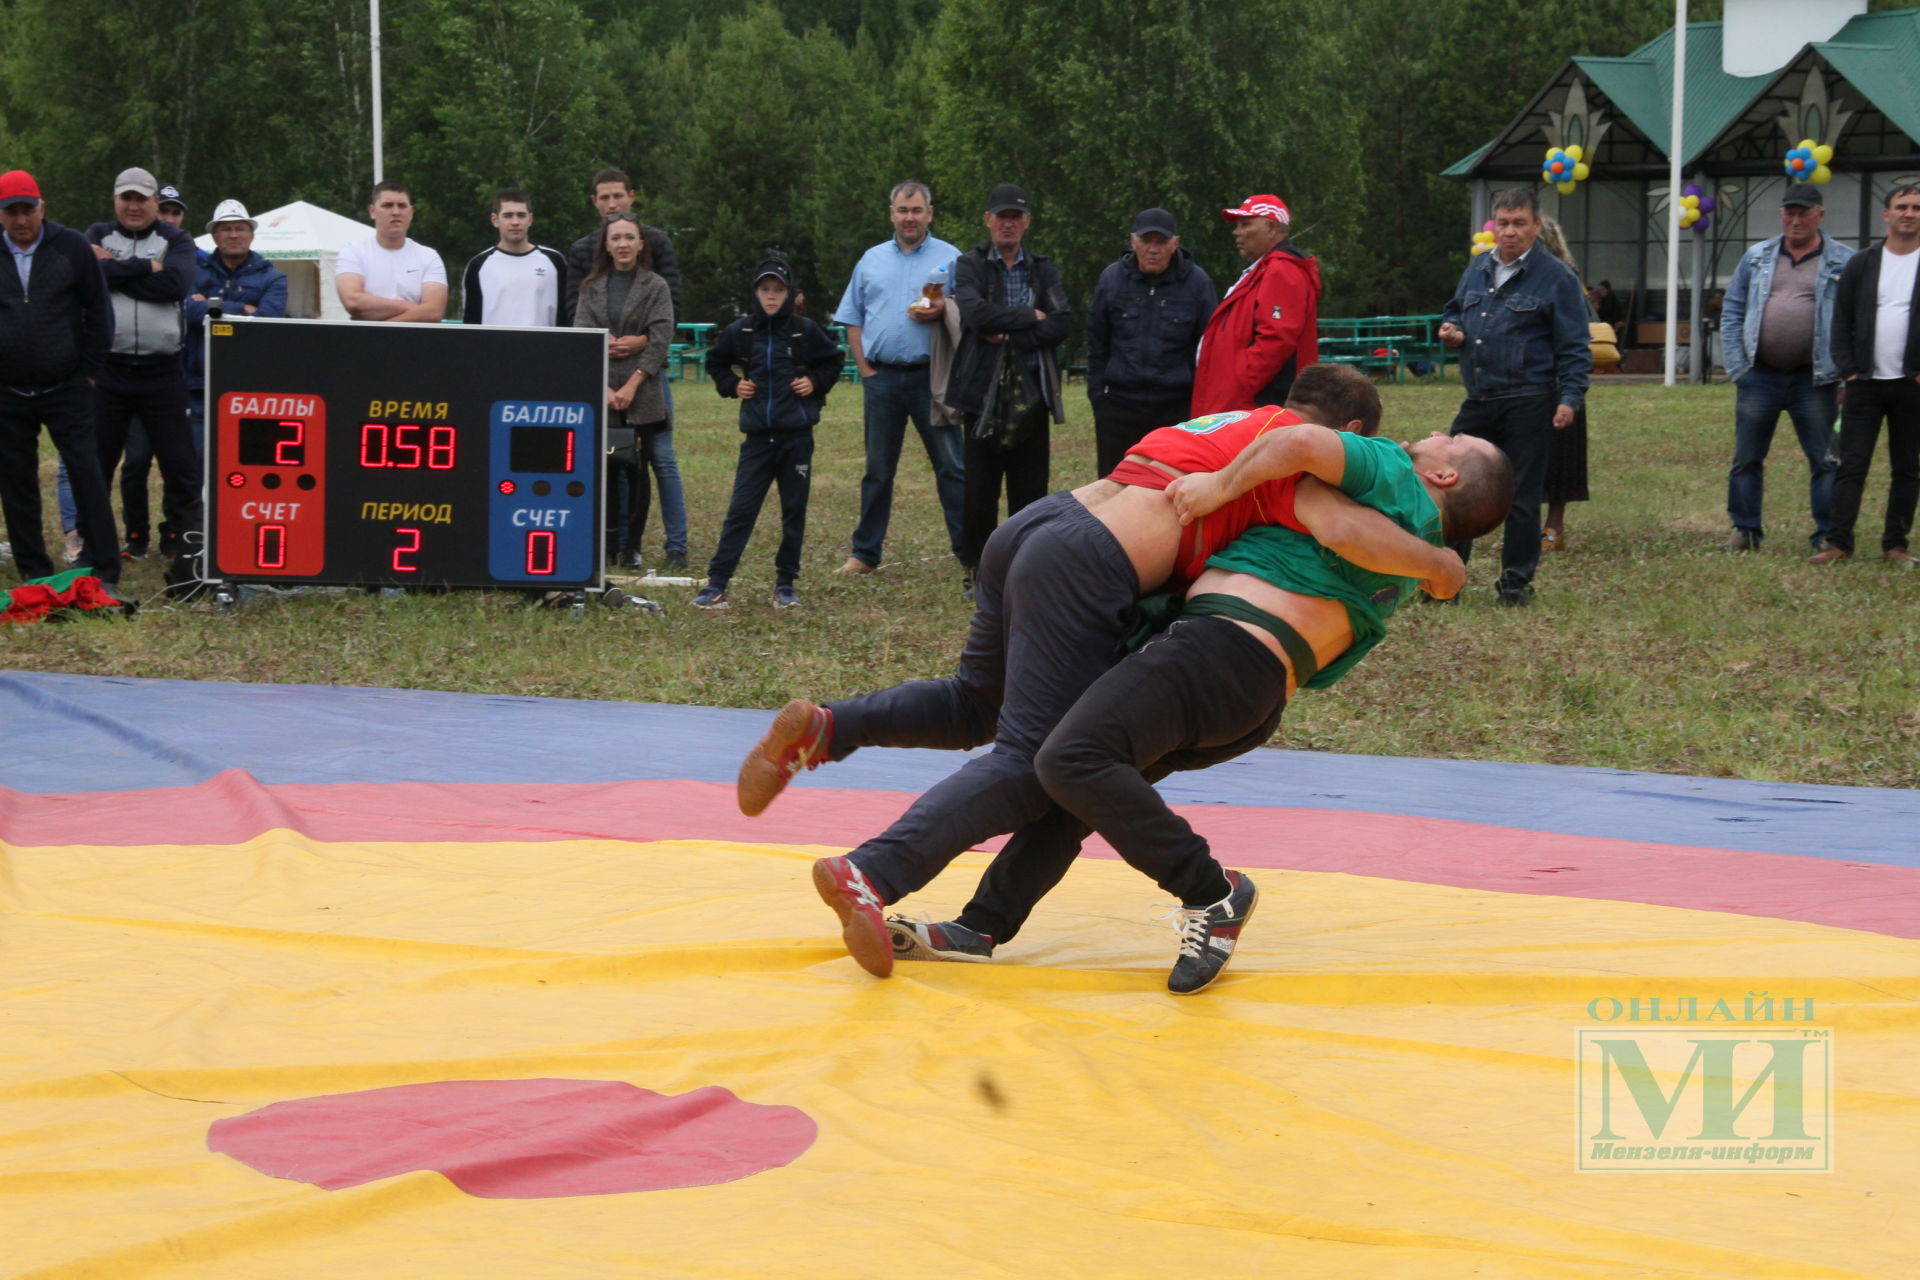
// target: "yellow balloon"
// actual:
[[1580, 172], [1564, 188], [1689, 216], [1823, 154], [1550, 150], [1821, 176], [1806, 144], [1689, 202], [1575, 154]]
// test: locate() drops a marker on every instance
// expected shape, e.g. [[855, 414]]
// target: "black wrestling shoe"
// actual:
[[1208, 935], [921, 940]]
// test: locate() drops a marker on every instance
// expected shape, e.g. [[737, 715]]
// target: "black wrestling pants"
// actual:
[[1203, 692]]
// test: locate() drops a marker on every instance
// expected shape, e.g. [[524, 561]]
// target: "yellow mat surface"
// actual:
[[1385, 1084]]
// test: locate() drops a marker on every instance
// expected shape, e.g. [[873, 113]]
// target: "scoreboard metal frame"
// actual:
[[352, 454]]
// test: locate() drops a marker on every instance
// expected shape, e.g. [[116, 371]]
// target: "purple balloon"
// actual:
[[1706, 204], [1691, 189]]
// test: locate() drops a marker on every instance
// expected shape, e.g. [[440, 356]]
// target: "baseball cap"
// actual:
[[1260, 206], [232, 211], [18, 187], [1160, 220], [1803, 193], [170, 194], [135, 180], [1006, 198], [775, 267]]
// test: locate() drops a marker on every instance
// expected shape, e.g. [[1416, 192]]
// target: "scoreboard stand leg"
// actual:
[[224, 596]]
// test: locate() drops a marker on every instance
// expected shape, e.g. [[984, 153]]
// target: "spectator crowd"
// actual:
[[100, 345]]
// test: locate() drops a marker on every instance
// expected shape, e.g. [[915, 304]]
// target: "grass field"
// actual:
[[1647, 647]]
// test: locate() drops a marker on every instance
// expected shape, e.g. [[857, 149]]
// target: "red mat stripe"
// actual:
[[232, 808]]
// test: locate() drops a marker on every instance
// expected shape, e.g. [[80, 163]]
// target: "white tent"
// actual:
[[304, 241]]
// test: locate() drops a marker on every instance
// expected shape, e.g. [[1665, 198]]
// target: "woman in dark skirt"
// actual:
[[1567, 468]]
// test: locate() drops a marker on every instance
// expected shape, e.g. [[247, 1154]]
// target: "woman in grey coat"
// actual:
[[623, 296]]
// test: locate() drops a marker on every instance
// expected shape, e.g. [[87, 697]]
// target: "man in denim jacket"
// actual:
[[1774, 336], [1519, 320]]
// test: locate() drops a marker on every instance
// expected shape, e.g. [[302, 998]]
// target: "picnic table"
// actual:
[[693, 350]]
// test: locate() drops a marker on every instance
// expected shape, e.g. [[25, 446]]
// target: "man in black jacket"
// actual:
[[55, 327], [1013, 313], [1143, 330], [613, 193], [150, 269], [1876, 347]]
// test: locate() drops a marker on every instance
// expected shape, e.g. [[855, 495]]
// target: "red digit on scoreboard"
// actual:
[[270, 546], [440, 442], [540, 552], [298, 455], [406, 548]]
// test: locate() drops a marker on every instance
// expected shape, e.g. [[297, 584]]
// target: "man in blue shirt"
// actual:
[[891, 343], [1519, 320]]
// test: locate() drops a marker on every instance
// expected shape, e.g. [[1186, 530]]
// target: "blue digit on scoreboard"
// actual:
[[542, 524]]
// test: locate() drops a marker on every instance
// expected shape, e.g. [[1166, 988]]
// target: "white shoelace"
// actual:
[[1190, 923]]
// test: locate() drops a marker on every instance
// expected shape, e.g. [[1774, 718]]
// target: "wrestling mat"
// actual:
[[316, 982]]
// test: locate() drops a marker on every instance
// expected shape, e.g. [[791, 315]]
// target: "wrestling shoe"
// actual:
[[785, 597], [1208, 935], [799, 739], [843, 888], [922, 940], [711, 597]]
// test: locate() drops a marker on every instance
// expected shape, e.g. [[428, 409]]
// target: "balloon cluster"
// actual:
[[1808, 162], [1563, 167], [1696, 207], [1483, 238]]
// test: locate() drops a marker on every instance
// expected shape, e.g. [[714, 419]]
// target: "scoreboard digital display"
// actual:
[[400, 455]]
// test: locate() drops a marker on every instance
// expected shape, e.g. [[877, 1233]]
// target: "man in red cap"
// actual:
[[56, 323], [1267, 328]]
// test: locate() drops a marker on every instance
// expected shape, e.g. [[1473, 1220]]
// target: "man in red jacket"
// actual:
[[1267, 328]]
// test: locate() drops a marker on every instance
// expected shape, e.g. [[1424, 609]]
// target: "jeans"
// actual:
[[1523, 427], [893, 395], [1762, 395], [1868, 401], [656, 453], [136, 466], [767, 458], [1054, 597]]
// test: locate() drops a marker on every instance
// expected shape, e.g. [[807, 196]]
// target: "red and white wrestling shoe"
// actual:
[[843, 888], [799, 739]]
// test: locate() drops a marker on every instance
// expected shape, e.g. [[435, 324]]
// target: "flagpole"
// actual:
[[1674, 160], [379, 161]]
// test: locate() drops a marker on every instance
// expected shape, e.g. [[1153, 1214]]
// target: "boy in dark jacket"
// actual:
[[781, 367]]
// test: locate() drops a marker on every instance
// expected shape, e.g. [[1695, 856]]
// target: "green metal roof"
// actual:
[[1877, 53]]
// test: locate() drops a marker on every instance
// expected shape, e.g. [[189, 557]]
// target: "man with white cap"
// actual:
[[241, 281], [149, 267], [1267, 328]]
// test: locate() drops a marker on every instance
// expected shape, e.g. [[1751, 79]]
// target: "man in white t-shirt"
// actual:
[[387, 276], [1876, 347], [515, 282]]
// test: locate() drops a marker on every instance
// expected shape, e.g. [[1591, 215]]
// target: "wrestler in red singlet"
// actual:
[[1209, 444]]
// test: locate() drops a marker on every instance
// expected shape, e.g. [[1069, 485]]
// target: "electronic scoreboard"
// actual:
[[404, 454]]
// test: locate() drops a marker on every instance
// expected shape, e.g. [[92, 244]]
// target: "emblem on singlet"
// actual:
[[1211, 422]]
